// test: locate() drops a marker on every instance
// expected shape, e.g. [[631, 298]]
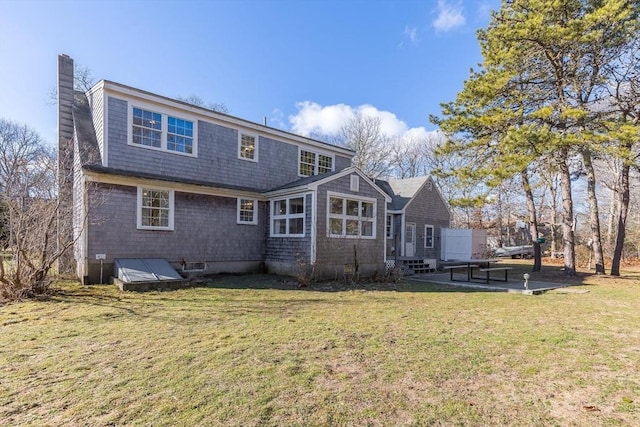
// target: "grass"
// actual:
[[254, 350]]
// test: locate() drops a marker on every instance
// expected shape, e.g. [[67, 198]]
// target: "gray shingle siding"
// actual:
[[78, 208], [290, 250], [217, 161], [342, 163], [427, 208], [205, 229], [96, 103], [333, 253]]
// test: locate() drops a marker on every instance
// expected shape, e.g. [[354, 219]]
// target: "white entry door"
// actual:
[[410, 239]]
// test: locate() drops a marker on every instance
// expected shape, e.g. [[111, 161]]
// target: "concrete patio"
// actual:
[[513, 285]]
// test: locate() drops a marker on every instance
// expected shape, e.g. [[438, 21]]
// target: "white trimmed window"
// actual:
[[355, 182], [247, 211], [350, 217], [287, 217], [160, 131], [247, 146], [155, 209], [389, 227], [312, 163], [428, 236]]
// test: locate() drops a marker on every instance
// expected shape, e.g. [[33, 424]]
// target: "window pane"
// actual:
[[155, 208], [296, 206], [324, 163], [306, 170], [335, 226], [246, 210], [428, 238], [247, 146], [367, 228], [352, 207], [180, 135], [336, 206], [246, 204], [296, 226], [307, 163], [352, 227], [367, 210], [280, 207], [280, 226]]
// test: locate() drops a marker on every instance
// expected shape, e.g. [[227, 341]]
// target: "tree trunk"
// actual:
[[568, 239], [554, 216], [613, 211], [500, 219], [622, 220], [533, 220], [594, 215]]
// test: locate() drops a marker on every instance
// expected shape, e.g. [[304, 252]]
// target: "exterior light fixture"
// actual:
[[526, 280]]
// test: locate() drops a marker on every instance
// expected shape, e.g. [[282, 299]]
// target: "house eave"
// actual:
[[349, 171], [99, 174]]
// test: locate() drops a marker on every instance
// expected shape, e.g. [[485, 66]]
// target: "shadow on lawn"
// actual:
[[266, 281]]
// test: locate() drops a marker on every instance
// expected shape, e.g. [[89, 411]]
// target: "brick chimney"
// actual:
[[66, 263]]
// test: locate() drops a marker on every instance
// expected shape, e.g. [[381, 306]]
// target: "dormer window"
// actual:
[[312, 163], [147, 128], [247, 146], [166, 132]]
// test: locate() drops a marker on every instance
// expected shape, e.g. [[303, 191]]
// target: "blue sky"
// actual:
[[305, 65]]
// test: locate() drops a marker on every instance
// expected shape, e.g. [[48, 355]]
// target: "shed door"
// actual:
[[410, 240]]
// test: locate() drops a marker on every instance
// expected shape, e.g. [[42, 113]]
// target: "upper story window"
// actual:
[[287, 217], [180, 135], [312, 163], [155, 209], [247, 211], [247, 146], [428, 236], [161, 131], [147, 128], [350, 217]]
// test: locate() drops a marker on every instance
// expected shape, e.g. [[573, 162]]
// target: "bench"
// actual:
[[489, 270], [467, 267]]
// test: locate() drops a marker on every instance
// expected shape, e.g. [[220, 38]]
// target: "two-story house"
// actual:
[[153, 177]]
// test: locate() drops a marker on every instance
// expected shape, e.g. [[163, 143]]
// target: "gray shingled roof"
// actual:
[[306, 181], [167, 178], [85, 133], [401, 190]]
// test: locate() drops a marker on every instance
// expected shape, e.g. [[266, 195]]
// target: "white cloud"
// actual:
[[313, 118], [276, 119], [449, 16], [411, 33]]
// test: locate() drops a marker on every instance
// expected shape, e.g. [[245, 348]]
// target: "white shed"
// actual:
[[463, 243]]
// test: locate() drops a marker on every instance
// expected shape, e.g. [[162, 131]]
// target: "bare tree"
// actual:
[[363, 134], [625, 93], [82, 81], [30, 206], [199, 102]]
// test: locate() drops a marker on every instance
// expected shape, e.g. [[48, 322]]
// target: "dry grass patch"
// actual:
[[254, 350]]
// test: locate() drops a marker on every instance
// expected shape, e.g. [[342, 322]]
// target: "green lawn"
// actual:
[[253, 350]]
